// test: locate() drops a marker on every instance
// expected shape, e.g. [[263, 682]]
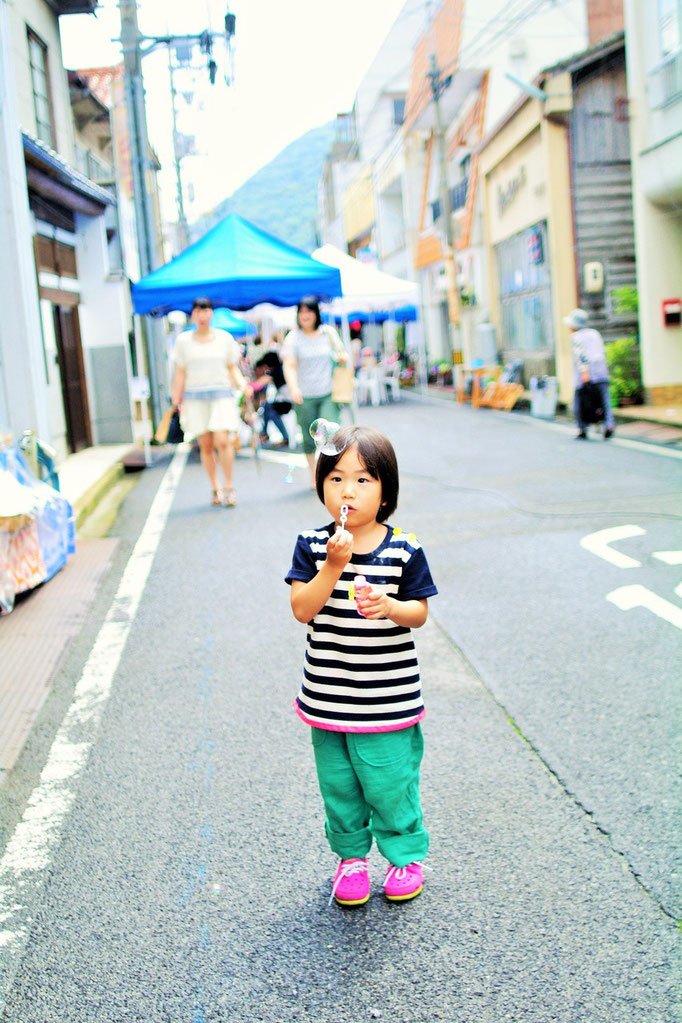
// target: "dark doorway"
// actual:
[[74, 392]]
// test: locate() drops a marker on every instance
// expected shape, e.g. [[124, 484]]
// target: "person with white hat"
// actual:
[[589, 364]]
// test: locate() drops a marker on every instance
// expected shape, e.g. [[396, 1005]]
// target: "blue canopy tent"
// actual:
[[235, 265], [226, 320], [405, 314]]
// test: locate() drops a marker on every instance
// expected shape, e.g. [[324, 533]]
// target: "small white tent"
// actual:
[[371, 291], [364, 288]]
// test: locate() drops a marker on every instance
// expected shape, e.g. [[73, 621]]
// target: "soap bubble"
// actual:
[[289, 478], [322, 431]]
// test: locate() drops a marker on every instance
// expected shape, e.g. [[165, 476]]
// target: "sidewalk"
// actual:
[[36, 636], [653, 424], [86, 476]]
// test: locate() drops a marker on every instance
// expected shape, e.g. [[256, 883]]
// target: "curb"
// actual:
[[86, 504]]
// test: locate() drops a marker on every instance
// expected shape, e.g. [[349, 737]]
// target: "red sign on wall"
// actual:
[[672, 312]]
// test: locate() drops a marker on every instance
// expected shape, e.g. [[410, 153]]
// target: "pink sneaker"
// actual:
[[351, 883], [402, 883]]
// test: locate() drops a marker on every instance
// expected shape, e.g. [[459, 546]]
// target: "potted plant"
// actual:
[[444, 374]]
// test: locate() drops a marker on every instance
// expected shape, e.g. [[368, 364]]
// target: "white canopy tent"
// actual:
[[366, 289]]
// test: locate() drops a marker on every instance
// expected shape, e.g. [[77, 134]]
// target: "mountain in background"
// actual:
[[281, 197]]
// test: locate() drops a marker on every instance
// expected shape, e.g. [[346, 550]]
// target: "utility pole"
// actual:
[[437, 86], [131, 42], [180, 199], [144, 217]]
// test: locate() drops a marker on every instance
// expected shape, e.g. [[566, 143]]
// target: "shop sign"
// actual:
[[507, 193]]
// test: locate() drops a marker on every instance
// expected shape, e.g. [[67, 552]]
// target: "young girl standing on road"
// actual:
[[361, 692]]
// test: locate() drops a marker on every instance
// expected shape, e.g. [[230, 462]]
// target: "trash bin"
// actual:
[[543, 397]]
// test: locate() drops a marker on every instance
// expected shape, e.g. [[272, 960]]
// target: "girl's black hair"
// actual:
[[309, 302], [377, 455], [202, 303]]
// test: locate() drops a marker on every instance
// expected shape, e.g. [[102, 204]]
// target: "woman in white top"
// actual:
[[205, 389], [308, 356]]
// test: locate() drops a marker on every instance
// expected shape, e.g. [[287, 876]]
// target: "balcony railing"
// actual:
[[665, 81], [458, 199], [92, 167]]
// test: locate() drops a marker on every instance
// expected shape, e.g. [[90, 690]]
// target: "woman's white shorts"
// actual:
[[199, 417]]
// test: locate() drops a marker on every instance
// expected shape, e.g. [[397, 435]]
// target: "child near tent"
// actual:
[[361, 692]]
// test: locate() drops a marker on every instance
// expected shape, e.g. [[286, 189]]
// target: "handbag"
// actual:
[[175, 431], [343, 384], [343, 376], [164, 425], [591, 405]]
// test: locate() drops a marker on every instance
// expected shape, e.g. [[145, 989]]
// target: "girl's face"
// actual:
[[202, 317], [306, 319], [349, 483]]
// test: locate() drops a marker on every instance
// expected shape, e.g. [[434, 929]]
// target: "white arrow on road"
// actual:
[[598, 543], [629, 597], [669, 557]]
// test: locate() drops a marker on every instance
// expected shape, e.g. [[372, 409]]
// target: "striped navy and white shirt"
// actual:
[[361, 675]]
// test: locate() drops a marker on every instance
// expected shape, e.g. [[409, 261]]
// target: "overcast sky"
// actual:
[[296, 65]]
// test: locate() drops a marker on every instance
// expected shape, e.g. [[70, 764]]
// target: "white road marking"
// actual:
[[629, 597], [598, 543], [670, 557], [30, 848]]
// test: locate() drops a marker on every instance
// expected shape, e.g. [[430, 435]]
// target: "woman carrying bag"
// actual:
[[309, 355], [205, 387]]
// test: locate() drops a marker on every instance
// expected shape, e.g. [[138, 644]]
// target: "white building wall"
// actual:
[[389, 71], [105, 321], [524, 47], [37, 15], [23, 385], [657, 191]]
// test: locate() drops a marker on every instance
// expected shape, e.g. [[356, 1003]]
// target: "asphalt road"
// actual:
[[191, 877]]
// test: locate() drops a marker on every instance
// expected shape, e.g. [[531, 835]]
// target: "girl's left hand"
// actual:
[[374, 604]]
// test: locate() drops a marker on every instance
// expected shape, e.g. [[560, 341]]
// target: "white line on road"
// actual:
[[598, 543], [29, 850], [669, 557], [629, 597]]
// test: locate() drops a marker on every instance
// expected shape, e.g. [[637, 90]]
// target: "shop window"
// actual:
[[525, 291], [40, 81]]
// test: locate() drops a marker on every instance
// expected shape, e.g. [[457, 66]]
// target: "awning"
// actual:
[[50, 176]]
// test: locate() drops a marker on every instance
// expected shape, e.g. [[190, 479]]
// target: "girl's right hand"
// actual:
[[296, 395], [339, 549]]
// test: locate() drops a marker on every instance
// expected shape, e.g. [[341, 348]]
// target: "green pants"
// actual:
[[310, 410], [370, 787]]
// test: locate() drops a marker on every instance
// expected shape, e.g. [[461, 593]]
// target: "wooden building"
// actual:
[[602, 185]]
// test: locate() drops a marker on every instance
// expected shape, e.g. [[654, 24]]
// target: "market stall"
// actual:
[[37, 529], [238, 266]]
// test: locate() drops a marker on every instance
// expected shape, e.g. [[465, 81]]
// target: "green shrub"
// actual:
[[622, 357], [625, 299]]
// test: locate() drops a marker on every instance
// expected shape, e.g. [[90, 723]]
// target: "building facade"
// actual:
[[559, 215], [654, 74], [71, 324]]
